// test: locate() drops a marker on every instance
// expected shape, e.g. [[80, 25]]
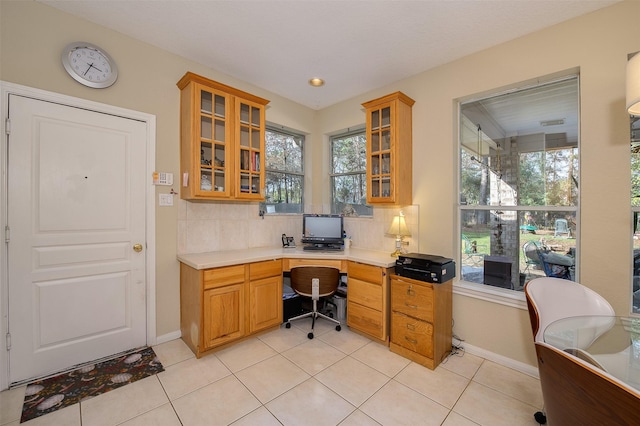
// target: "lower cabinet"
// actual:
[[265, 295], [421, 320], [368, 300], [223, 315], [222, 305]]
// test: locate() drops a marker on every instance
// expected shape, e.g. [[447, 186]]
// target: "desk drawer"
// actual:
[[413, 334], [268, 268], [364, 293], [366, 320], [292, 263], [411, 299], [372, 274], [220, 277]]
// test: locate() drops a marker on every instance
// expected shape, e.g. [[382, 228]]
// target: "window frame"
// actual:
[[360, 130], [282, 130], [512, 298]]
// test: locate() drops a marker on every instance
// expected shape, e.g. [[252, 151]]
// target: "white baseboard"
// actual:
[[502, 360], [168, 337]]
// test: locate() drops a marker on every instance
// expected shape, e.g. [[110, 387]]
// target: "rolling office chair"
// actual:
[[550, 299], [314, 282]]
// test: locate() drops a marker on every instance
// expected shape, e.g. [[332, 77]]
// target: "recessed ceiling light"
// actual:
[[316, 82]]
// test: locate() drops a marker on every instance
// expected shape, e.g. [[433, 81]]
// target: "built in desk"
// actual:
[[227, 296]]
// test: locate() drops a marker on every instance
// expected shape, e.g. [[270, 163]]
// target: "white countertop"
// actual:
[[217, 259]]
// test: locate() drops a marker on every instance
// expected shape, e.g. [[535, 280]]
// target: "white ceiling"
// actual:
[[354, 45]]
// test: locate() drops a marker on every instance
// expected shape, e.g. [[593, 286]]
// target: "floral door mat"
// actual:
[[50, 394]]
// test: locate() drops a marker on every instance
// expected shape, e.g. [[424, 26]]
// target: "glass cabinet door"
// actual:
[[380, 153], [222, 132], [213, 137], [250, 149], [389, 146]]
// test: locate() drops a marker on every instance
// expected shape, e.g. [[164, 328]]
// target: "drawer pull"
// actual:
[[411, 327], [410, 291], [410, 340], [410, 306]]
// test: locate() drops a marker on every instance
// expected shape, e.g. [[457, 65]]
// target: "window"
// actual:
[[519, 174], [348, 174], [635, 209], [284, 172]]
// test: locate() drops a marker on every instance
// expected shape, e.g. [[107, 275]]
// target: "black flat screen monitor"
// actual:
[[322, 229]]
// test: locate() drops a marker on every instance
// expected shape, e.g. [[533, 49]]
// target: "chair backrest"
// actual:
[[561, 227], [552, 269], [551, 299], [302, 279], [468, 246], [577, 393], [530, 249]]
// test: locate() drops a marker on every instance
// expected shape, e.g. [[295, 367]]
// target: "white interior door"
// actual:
[[76, 209]]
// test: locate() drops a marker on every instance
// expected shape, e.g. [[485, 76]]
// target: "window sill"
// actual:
[[490, 294]]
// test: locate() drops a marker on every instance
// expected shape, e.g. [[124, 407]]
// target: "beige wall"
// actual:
[[597, 45], [32, 36]]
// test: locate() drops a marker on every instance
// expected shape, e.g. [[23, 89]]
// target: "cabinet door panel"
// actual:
[[224, 314], [266, 303]]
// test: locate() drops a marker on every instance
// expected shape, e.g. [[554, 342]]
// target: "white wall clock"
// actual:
[[89, 65]]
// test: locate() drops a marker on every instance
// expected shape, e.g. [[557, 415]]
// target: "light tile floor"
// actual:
[[283, 378]]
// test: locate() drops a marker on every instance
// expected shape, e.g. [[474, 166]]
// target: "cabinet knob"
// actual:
[[410, 291]]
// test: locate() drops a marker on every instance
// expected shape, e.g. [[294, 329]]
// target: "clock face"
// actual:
[[89, 65]]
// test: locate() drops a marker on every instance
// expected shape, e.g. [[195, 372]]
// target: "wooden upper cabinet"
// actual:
[[389, 149], [221, 141]]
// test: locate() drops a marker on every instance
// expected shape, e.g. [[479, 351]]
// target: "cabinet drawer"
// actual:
[[372, 274], [219, 277], [364, 293], [412, 299], [413, 334], [269, 268], [366, 320]]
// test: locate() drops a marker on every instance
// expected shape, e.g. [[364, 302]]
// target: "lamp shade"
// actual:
[[399, 227], [633, 85]]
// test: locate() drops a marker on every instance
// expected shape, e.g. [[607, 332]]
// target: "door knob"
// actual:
[[137, 248]]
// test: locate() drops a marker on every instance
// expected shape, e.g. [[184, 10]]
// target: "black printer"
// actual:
[[425, 267]]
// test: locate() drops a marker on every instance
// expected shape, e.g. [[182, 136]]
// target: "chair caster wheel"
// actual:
[[288, 325], [338, 328], [310, 335], [540, 417], [330, 314]]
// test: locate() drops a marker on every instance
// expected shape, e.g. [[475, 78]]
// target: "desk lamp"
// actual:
[[399, 229]]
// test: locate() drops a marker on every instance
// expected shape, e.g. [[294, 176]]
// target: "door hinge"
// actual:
[[7, 233], [8, 341], [7, 126]]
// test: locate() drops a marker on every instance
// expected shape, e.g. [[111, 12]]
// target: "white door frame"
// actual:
[[150, 120]]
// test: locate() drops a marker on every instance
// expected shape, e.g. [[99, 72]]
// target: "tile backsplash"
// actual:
[[214, 226]]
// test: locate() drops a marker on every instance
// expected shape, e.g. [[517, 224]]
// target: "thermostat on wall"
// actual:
[[162, 178]]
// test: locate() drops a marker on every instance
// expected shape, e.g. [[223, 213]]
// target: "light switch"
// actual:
[[166, 199]]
